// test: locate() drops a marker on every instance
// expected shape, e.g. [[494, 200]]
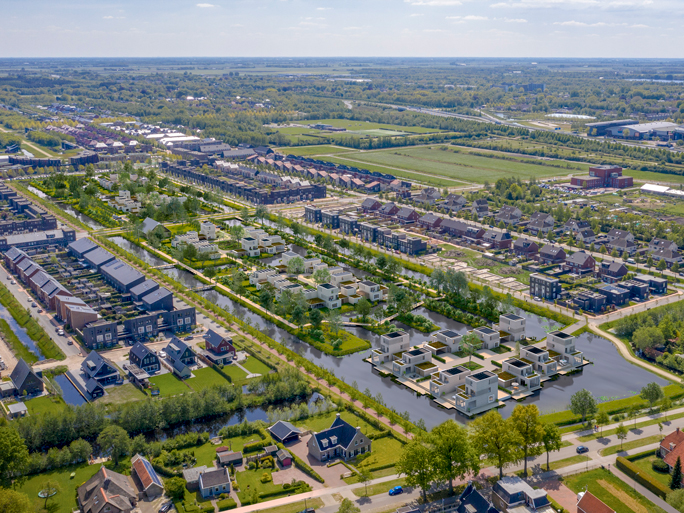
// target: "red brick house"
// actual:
[[580, 263], [430, 221], [525, 247], [407, 215], [672, 447], [551, 254], [498, 240], [220, 349]]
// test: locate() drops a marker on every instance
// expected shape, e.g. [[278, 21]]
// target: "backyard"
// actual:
[[169, 385], [206, 378], [44, 403], [256, 366], [206, 453], [123, 394], [644, 461], [322, 422], [612, 491]]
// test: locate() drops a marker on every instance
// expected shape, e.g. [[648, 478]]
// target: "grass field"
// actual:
[[613, 492], [65, 500], [616, 448], [250, 480], [206, 453], [235, 372], [644, 463], [384, 451], [379, 488], [45, 403], [654, 177], [296, 507], [123, 394], [169, 385], [310, 151], [205, 378], [256, 366], [321, 422], [353, 125]]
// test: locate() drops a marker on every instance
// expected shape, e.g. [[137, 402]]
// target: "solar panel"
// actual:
[[151, 472]]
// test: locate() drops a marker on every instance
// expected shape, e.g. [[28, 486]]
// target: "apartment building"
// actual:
[[545, 287]]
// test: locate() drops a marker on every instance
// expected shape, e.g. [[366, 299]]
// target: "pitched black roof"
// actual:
[[20, 373], [140, 350], [283, 429], [340, 430]]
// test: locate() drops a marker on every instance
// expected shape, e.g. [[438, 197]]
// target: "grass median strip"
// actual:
[[379, 488], [614, 449], [651, 422]]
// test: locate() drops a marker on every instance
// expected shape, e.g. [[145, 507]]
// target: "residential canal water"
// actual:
[[609, 376], [20, 332], [88, 221], [69, 392]]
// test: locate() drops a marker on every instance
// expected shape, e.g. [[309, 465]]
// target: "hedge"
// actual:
[[382, 467], [226, 504], [303, 466], [253, 446], [642, 478]]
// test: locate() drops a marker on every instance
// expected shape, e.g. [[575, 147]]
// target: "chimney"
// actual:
[[337, 415], [358, 429]]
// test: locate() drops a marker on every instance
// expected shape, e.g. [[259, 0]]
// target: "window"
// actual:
[[141, 329], [108, 336], [180, 322], [188, 320], [148, 328], [99, 338]]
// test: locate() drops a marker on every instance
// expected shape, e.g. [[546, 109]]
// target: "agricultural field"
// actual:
[[440, 165], [312, 151]]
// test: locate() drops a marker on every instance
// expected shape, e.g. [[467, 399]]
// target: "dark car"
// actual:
[[166, 507], [396, 490], [582, 449]]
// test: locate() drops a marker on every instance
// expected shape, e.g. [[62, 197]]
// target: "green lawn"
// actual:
[[448, 165], [66, 498], [296, 507], [566, 462], [321, 149], [353, 125], [379, 488], [255, 366], [206, 453], [190, 499], [651, 422], [644, 463], [613, 492], [123, 394], [375, 474], [235, 372], [614, 449], [205, 378], [43, 404], [249, 480], [654, 177], [169, 385], [321, 422], [383, 452]]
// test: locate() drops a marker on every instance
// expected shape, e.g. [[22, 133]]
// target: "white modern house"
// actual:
[[512, 326], [561, 347], [341, 276], [208, 230], [416, 361], [445, 341], [540, 359], [250, 246], [261, 276], [448, 380], [390, 344], [480, 394], [326, 295], [519, 374], [490, 338], [370, 290]]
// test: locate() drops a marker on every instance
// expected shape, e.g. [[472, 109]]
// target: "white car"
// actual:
[[162, 354], [60, 332], [536, 298]]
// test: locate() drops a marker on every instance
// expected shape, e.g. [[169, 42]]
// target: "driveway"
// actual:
[[332, 475], [286, 475]]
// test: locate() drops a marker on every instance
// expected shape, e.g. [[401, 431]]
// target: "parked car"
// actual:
[[70, 342], [60, 332], [189, 337], [165, 507], [33, 305], [537, 298], [40, 310], [582, 449], [9, 277], [162, 354], [13, 282], [396, 490]]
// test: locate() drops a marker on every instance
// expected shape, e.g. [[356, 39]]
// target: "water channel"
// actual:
[[20, 332], [608, 377], [88, 221]]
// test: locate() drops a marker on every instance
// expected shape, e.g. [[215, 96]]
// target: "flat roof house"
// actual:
[[511, 493], [561, 347], [341, 440], [489, 337], [545, 287], [512, 327], [615, 295], [480, 394], [445, 341], [448, 380], [370, 290], [540, 360], [522, 372], [391, 344], [416, 361], [656, 285]]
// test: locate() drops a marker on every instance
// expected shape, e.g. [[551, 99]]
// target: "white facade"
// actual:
[[208, 230]]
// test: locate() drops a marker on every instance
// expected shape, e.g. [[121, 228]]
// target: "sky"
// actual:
[[326, 28]]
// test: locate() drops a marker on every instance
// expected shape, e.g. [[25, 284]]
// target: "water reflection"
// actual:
[[20, 332], [69, 392], [88, 221]]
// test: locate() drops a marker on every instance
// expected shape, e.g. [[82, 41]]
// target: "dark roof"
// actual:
[[40, 279], [157, 295], [430, 218], [283, 429], [213, 338], [405, 211], [229, 457], [121, 272], [20, 373], [472, 501], [98, 256], [387, 208], [340, 433], [143, 288], [622, 243], [497, 236], [370, 203], [98, 361], [15, 254], [551, 250], [216, 477], [448, 333], [176, 348], [150, 224], [282, 455], [140, 350], [92, 385], [82, 246], [579, 258], [523, 243]]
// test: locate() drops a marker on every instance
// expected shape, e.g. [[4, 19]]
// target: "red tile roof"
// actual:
[[676, 438], [590, 504], [671, 457]]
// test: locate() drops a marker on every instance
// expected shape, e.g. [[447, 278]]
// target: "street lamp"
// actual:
[[634, 485]]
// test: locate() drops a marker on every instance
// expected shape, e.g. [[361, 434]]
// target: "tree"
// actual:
[[236, 232], [662, 265], [315, 317], [676, 481], [49, 489], [365, 476], [453, 454], [334, 319], [175, 488], [649, 261], [552, 441], [652, 393], [346, 506], [602, 418], [15, 502], [381, 262], [583, 403], [633, 413], [470, 344], [675, 267], [647, 336], [363, 307], [114, 441], [210, 272], [261, 213], [416, 463], [621, 433], [295, 265], [393, 266], [14, 456], [496, 439], [526, 422], [676, 499], [321, 276], [266, 298]]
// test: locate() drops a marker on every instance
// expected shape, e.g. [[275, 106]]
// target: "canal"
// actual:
[[20, 332], [609, 376], [88, 221]]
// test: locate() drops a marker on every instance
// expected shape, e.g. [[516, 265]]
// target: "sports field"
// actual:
[[445, 167]]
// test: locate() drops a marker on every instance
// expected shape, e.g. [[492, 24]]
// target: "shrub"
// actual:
[[643, 479], [265, 477], [226, 504], [660, 466]]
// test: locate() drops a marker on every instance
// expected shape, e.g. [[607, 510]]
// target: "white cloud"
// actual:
[[415, 15], [546, 4], [323, 8], [205, 6], [353, 28], [574, 23], [515, 20], [467, 18], [435, 3], [433, 31], [107, 17]]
